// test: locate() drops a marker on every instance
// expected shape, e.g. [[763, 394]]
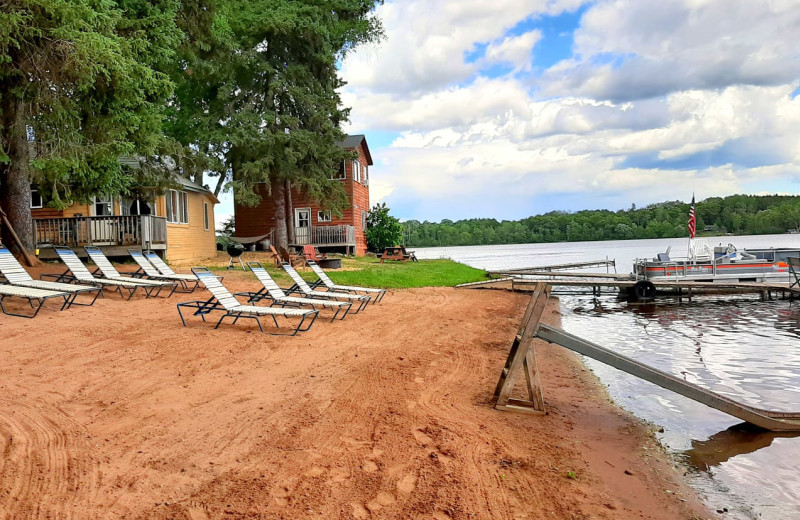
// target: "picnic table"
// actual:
[[397, 253]]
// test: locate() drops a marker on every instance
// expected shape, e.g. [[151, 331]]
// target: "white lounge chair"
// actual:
[[272, 291], [301, 287], [222, 300], [110, 272], [16, 275], [188, 282], [328, 283], [32, 295], [76, 271]]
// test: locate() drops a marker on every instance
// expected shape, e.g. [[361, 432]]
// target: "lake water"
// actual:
[[739, 346]]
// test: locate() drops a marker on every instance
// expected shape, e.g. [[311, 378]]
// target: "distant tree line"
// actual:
[[736, 214]]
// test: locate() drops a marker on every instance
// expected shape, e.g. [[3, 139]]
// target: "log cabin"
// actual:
[[312, 224], [178, 224]]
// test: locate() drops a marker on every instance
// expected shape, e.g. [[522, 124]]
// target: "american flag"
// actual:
[[692, 220]]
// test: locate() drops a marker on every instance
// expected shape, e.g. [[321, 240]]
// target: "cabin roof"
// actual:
[[353, 141], [187, 184]]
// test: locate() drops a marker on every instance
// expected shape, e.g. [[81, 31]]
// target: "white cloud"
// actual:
[[694, 99], [631, 49]]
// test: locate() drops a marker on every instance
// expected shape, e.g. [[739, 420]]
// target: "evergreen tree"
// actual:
[[383, 230], [257, 92], [81, 84]]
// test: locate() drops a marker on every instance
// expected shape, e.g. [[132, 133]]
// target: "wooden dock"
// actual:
[[680, 287]]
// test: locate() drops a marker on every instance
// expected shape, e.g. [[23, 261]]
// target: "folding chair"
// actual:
[[188, 282], [16, 275], [301, 287], [324, 280], [270, 290], [32, 295], [76, 271], [222, 300]]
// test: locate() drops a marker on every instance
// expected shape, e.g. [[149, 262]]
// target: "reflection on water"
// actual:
[[737, 440], [741, 347]]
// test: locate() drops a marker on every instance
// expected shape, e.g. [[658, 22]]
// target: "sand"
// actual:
[[117, 411]]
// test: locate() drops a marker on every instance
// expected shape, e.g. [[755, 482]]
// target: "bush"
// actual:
[[383, 230]]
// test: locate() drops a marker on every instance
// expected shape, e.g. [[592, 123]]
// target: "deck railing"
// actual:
[[129, 230], [326, 235]]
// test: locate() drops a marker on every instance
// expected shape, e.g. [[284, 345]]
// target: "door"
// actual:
[[302, 225], [102, 225]]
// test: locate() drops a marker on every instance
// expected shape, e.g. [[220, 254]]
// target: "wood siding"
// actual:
[[259, 220], [184, 241]]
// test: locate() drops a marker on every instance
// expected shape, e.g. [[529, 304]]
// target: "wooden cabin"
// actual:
[[312, 224], [179, 224]]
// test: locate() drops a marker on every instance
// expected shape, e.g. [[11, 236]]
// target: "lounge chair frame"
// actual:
[[187, 283], [16, 275], [32, 295], [273, 292], [301, 287], [222, 300], [323, 280], [104, 266], [77, 272]]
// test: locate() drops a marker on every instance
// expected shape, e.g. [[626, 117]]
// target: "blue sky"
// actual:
[[511, 108]]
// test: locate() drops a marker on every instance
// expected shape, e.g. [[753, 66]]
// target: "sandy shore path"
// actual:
[[116, 411]]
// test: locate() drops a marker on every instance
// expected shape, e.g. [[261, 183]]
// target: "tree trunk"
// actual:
[[289, 214], [15, 181], [279, 199]]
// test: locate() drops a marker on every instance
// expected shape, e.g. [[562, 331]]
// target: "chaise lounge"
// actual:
[[16, 275], [301, 287], [76, 271], [188, 282], [222, 300], [32, 295], [328, 283], [272, 291]]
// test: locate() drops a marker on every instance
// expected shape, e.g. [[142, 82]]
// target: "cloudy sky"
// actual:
[[510, 108]]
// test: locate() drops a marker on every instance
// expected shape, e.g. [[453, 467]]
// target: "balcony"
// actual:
[[336, 235], [112, 233]]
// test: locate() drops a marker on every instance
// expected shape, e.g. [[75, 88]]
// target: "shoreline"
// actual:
[[117, 411]]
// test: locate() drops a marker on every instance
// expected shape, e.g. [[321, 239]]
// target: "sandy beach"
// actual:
[[117, 411]]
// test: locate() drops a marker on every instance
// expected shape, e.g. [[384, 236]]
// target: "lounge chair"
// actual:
[[188, 282], [222, 300], [78, 272], [109, 271], [16, 275], [324, 280], [279, 298], [166, 270], [301, 287], [32, 295]]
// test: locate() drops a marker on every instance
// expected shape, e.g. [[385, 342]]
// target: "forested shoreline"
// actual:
[[735, 214]]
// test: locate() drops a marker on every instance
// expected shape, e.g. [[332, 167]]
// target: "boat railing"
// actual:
[[679, 266]]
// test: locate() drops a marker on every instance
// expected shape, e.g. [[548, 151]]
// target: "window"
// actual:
[[177, 207], [341, 174], [356, 171], [103, 206], [324, 216], [205, 215], [36, 199], [363, 220], [365, 175]]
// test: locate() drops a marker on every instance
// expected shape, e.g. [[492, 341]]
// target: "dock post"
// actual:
[[522, 356]]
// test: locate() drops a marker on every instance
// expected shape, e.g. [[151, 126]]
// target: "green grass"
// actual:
[[396, 275], [369, 272]]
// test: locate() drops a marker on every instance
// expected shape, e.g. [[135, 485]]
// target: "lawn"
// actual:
[[369, 272]]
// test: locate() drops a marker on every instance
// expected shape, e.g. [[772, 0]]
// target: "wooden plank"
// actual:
[[522, 356]]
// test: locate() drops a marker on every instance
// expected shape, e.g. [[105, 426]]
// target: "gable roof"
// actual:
[[351, 142]]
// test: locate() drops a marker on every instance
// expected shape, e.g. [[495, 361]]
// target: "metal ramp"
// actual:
[[767, 419]]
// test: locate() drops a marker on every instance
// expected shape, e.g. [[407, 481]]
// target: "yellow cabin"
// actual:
[[179, 224]]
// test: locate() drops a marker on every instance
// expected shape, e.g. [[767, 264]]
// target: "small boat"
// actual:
[[723, 263]]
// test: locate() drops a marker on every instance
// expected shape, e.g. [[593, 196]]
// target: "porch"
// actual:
[[325, 236], [113, 234]]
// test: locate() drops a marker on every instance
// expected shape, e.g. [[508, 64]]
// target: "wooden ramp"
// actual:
[[767, 419]]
